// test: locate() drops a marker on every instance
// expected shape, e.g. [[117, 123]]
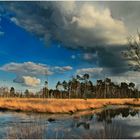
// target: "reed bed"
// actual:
[[60, 105], [27, 131]]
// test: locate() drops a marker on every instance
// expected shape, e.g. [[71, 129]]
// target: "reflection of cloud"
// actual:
[[130, 126]]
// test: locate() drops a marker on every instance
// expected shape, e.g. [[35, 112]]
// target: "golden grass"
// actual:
[[60, 105]]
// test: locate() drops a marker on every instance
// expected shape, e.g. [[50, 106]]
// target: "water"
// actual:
[[111, 122]]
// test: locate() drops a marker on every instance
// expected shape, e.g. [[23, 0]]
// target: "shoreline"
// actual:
[[60, 106]]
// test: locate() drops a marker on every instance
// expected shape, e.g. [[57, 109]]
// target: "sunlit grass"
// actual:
[[60, 105]]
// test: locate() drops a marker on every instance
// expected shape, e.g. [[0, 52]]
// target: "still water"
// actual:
[[111, 122]]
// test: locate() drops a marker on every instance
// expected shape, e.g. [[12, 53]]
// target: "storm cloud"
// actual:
[[95, 27], [69, 23]]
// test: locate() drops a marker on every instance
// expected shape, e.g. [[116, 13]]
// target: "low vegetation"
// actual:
[[26, 131], [60, 105]]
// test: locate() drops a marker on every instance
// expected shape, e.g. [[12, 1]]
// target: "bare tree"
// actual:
[[133, 52]]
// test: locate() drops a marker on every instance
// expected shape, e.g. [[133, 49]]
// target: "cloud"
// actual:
[[28, 72], [13, 19], [27, 68], [90, 26], [120, 10], [76, 25], [27, 81], [62, 69], [1, 33], [102, 73], [112, 60], [33, 69], [53, 20], [93, 21], [31, 81], [129, 76], [99, 29], [90, 57], [73, 57], [93, 72]]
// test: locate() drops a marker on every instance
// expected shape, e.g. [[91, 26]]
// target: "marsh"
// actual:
[[110, 122]]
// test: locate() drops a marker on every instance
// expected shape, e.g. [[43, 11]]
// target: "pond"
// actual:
[[110, 122]]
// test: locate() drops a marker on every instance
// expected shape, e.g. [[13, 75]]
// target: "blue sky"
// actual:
[[61, 39], [19, 46]]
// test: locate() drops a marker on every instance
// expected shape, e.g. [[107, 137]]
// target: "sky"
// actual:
[[57, 40]]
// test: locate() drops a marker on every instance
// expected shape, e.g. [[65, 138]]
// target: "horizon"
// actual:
[[57, 40]]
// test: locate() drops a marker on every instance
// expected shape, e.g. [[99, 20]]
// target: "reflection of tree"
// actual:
[[105, 116], [109, 131], [108, 114], [84, 124], [133, 113], [83, 121]]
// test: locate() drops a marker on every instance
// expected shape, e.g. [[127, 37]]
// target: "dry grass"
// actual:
[[60, 105], [27, 131]]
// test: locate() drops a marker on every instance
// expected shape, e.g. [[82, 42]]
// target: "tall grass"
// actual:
[[60, 105], [27, 131], [37, 131]]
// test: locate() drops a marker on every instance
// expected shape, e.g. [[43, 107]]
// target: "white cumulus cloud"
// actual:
[[27, 68], [27, 81], [31, 81], [27, 72], [100, 25]]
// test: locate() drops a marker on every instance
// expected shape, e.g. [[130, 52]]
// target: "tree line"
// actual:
[[80, 87], [83, 87]]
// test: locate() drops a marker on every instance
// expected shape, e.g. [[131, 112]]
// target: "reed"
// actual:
[[60, 105], [27, 131]]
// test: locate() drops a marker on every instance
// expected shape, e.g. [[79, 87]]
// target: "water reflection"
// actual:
[[105, 115], [102, 125], [108, 123], [84, 124], [108, 114]]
